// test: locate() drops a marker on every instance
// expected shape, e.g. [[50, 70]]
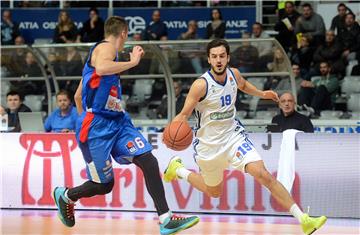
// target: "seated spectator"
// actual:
[[156, 28], [9, 29], [338, 22], [278, 64], [93, 29], [264, 48], [329, 51], [14, 102], [312, 24], [191, 34], [285, 26], [320, 94], [285, 83], [63, 119], [350, 37], [289, 118], [303, 56], [161, 111], [216, 28], [246, 56], [17, 60], [65, 30]]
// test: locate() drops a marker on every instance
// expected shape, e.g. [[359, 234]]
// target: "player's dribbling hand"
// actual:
[[271, 95], [136, 54]]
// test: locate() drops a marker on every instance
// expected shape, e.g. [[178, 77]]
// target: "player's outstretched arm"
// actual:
[[77, 98], [104, 55], [197, 91], [250, 89]]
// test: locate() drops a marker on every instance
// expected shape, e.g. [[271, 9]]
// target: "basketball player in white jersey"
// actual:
[[220, 140]]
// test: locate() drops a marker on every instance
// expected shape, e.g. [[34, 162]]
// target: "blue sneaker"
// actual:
[[175, 224], [65, 207]]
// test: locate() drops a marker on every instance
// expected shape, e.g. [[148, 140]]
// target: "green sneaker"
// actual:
[[175, 224], [64, 206], [170, 172], [310, 225]]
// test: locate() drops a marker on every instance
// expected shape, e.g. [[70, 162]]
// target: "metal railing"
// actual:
[[158, 49]]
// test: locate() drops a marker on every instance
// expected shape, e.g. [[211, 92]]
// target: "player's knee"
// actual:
[[105, 188], [147, 161]]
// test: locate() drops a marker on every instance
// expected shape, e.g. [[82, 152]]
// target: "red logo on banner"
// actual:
[[67, 143]]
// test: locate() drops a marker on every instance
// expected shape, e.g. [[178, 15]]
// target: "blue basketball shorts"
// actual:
[[101, 140]]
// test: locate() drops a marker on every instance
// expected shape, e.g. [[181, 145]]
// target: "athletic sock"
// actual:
[[296, 212], [163, 217], [183, 173]]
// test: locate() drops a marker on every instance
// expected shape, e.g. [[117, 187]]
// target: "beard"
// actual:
[[218, 73]]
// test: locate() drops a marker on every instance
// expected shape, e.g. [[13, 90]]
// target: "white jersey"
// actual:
[[216, 112]]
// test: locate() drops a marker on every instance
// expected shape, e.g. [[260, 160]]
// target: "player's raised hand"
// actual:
[[136, 54], [271, 95]]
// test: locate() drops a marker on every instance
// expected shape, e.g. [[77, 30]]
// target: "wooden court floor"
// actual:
[[110, 222]]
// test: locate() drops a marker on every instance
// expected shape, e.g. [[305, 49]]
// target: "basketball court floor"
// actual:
[[114, 222]]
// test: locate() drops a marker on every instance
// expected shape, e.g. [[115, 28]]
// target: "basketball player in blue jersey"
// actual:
[[220, 140], [104, 132]]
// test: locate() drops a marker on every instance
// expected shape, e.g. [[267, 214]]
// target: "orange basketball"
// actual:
[[177, 135]]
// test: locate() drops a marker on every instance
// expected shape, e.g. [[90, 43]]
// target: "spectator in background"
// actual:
[[14, 102], [278, 64], [216, 28], [31, 68], [93, 29], [320, 94], [63, 119], [161, 111], [157, 29], [312, 24], [246, 56], [285, 83], [303, 56], [285, 26], [9, 29], [17, 59], [338, 22], [191, 34], [65, 30], [264, 48], [71, 64], [329, 51], [289, 118], [350, 37]]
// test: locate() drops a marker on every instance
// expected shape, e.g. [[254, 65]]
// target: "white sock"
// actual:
[[183, 173], [163, 217], [67, 197], [296, 212]]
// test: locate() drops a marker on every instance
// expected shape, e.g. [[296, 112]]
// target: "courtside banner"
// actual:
[[40, 23], [327, 176]]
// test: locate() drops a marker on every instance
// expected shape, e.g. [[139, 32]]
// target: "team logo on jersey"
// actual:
[[238, 154], [222, 115], [232, 81], [131, 147], [212, 89]]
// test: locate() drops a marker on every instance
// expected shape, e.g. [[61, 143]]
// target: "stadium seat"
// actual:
[[267, 115], [351, 84], [304, 112], [241, 114], [350, 66], [34, 102], [353, 103], [142, 89], [330, 114], [259, 82]]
